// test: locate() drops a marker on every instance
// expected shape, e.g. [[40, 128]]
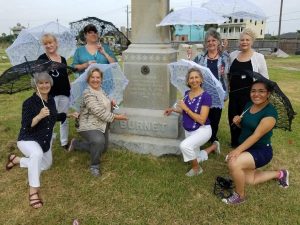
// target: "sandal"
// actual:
[[35, 201], [10, 161]]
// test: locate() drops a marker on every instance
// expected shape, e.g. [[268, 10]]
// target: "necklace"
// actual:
[[212, 58]]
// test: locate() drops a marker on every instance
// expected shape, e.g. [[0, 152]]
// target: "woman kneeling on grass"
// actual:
[[255, 149], [194, 108], [35, 137], [95, 116]]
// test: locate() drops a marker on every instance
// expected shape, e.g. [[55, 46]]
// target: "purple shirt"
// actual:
[[195, 106]]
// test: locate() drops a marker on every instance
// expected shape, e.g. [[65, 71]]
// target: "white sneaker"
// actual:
[[218, 149], [193, 173]]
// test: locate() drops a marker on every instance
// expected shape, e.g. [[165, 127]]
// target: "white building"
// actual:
[[233, 28]]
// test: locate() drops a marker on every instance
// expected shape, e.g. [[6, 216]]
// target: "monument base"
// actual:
[[146, 144]]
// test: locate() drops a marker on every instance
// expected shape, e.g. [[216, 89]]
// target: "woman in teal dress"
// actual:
[[254, 150], [92, 52]]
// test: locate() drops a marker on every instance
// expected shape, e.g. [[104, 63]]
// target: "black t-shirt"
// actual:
[[239, 78], [61, 84], [213, 66]]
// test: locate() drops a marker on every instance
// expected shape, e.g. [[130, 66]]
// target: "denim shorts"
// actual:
[[262, 155]]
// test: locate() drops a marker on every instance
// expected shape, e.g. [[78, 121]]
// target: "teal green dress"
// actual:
[[82, 56]]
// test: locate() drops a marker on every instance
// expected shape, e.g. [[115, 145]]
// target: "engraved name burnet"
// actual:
[[143, 125]]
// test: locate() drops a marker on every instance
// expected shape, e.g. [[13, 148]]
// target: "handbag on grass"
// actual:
[[223, 187]]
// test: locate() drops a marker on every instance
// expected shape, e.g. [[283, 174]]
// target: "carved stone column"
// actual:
[[149, 90]]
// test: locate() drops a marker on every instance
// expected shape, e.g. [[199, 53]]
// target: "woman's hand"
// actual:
[[88, 63], [168, 111], [237, 120], [44, 113], [74, 115], [121, 117], [233, 155], [101, 49]]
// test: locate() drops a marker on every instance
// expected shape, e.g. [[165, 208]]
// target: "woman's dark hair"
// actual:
[[90, 27], [266, 83]]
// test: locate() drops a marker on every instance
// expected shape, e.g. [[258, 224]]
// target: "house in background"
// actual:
[[234, 26], [184, 33]]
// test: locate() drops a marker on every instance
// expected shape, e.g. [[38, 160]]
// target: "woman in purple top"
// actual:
[[194, 108]]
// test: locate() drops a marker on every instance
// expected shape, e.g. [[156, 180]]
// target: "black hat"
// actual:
[[90, 27]]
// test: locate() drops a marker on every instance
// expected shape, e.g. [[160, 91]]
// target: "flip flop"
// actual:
[[10, 161]]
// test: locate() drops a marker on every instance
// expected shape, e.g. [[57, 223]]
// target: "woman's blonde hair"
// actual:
[[187, 77], [48, 38], [248, 32], [91, 71]]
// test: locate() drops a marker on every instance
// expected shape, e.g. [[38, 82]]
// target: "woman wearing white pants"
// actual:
[[39, 115], [194, 108], [35, 160]]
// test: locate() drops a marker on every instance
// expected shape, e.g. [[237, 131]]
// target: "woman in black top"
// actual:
[[243, 63], [61, 84], [39, 115]]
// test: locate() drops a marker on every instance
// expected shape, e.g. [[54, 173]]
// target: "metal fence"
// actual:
[[288, 46]]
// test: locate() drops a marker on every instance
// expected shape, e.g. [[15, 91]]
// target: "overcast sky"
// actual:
[[37, 12]]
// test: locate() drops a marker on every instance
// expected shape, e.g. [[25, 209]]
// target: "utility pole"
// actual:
[[279, 28], [127, 30]]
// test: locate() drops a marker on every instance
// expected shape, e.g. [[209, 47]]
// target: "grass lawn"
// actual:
[[142, 189]]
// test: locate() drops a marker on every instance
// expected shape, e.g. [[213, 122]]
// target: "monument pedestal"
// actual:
[[146, 145], [149, 91]]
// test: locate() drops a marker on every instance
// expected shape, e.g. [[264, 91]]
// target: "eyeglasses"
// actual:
[[260, 91]]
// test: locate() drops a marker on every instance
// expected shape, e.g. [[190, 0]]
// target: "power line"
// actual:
[[273, 21], [286, 13]]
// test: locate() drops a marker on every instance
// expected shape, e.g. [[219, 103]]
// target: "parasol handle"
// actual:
[[31, 73]]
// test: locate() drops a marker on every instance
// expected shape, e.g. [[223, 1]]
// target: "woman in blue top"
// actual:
[[254, 150], [93, 51], [194, 108], [218, 63]]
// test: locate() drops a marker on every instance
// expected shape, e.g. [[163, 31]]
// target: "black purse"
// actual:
[[223, 187]]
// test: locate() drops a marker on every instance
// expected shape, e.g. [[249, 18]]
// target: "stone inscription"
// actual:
[[147, 88], [143, 125]]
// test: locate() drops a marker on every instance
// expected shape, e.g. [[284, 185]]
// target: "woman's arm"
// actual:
[[199, 118], [76, 62], [265, 125], [96, 107], [43, 113], [109, 55], [168, 111]]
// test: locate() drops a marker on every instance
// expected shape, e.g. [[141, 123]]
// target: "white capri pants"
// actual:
[[62, 105], [35, 160], [190, 146]]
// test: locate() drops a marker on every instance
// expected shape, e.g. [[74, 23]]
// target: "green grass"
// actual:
[[142, 189]]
